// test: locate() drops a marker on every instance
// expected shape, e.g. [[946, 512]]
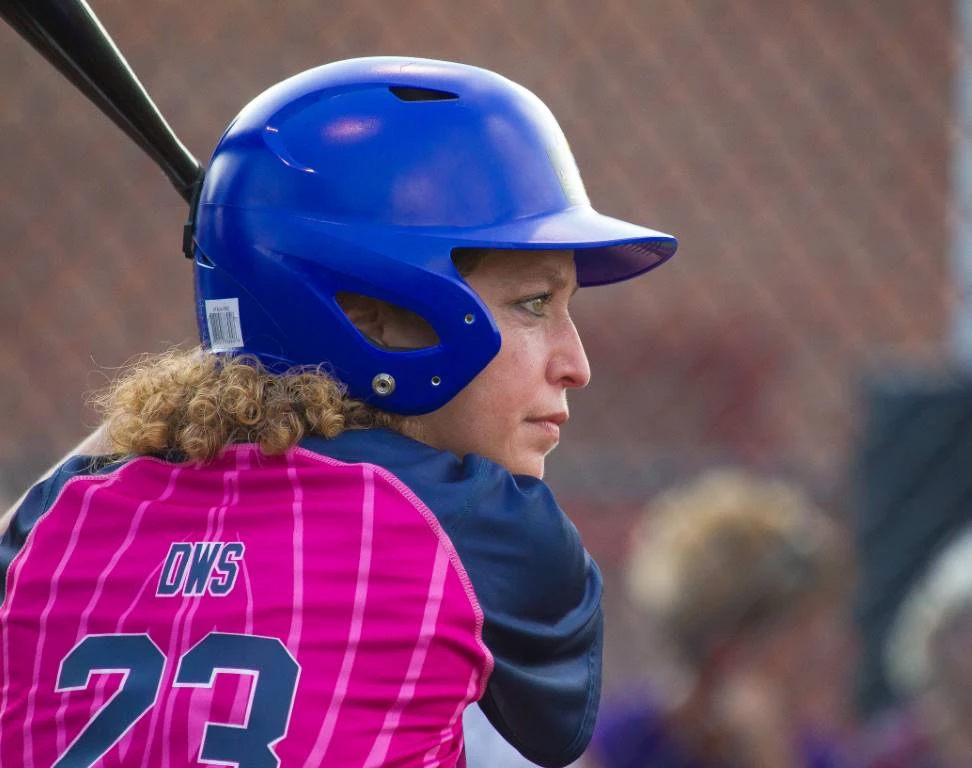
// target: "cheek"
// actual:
[[515, 381], [522, 357], [493, 394]]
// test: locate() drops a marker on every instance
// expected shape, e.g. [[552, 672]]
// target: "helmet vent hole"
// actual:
[[410, 93]]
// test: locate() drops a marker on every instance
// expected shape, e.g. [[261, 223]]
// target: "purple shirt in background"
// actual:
[[632, 732]]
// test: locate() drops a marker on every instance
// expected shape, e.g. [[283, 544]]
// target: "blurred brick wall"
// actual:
[[798, 150]]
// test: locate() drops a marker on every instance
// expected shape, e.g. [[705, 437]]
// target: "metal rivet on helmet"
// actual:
[[383, 384]]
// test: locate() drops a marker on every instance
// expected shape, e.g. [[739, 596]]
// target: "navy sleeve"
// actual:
[[540, 593], [37, 501], [539, 589]]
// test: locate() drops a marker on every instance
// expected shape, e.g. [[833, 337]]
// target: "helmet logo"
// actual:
[[566, 169]]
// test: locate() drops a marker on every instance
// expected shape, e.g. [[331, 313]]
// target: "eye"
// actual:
[[536, 305]]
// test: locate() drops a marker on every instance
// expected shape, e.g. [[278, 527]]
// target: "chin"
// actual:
[[526, 458], [529, 466]]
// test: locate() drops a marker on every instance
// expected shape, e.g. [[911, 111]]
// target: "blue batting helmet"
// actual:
[[363, 176]]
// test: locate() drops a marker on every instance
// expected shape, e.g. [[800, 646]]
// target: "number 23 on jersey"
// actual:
[[141, 663]]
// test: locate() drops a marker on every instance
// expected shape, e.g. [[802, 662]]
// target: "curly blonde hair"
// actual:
[[194, 404], [729, 552]]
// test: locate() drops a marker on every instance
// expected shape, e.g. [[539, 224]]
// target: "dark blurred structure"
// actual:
[[914, 493], [799, 150]]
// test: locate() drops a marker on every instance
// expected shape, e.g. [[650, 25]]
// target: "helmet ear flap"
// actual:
[[285, 275]]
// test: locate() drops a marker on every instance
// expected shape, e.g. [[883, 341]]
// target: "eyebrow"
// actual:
[[554, 277]]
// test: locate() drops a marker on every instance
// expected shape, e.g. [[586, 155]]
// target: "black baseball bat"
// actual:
[[69, 35]]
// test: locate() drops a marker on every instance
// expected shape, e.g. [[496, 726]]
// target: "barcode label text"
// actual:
[[223, 319]]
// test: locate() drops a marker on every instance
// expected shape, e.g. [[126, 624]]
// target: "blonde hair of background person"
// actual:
[[743, 576], [928, 652], [728, 552]]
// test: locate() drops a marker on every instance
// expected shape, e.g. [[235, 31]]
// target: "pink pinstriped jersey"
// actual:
[[177, 615]]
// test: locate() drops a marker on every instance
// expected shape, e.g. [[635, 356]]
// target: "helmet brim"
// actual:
[[607, 250]]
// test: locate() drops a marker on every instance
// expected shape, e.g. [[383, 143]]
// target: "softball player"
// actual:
[[322, 536]]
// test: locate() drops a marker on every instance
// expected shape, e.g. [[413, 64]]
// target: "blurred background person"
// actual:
[[929, 662], [747, 582]]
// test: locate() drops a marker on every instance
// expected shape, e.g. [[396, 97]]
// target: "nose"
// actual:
[[568, 366]]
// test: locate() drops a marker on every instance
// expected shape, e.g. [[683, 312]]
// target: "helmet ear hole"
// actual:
[[387, 325]]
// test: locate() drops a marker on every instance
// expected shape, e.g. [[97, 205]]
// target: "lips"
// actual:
[[557, 418], [550, 423]]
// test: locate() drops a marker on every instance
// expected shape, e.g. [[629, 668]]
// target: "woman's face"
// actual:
[[513, 410]]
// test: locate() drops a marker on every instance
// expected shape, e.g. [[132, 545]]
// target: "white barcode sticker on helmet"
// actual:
[[223, 319]]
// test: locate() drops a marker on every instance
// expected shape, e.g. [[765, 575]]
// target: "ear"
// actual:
[[366, 313], [387, 325]]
